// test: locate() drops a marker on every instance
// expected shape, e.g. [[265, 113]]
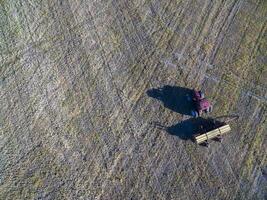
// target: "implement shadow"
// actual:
[[177, 99], [185, 130]]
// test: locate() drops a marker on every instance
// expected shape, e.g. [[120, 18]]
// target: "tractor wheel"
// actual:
[[194, 113], [201, 94], [210, 109]]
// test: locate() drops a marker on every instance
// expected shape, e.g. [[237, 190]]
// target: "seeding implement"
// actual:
[[214, 131]]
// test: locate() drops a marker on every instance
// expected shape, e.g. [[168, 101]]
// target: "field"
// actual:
[[93, 98]]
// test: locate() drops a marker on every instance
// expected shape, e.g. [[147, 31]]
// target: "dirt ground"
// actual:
[[93, 98]]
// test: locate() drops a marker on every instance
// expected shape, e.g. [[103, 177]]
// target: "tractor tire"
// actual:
[[210, 109], [194, 113], [201, 94]]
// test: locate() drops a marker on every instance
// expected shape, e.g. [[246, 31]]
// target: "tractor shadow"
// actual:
[[185, 130], [177, 99]]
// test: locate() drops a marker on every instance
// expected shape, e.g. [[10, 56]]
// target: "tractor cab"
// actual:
[[200, 104], [203, 104]]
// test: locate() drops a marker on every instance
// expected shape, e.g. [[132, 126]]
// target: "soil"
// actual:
[[84, 113]]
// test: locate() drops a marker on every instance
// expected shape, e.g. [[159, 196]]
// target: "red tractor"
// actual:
[[200, 104]]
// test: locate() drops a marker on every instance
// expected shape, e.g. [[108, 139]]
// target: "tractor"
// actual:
[[200, 103]]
